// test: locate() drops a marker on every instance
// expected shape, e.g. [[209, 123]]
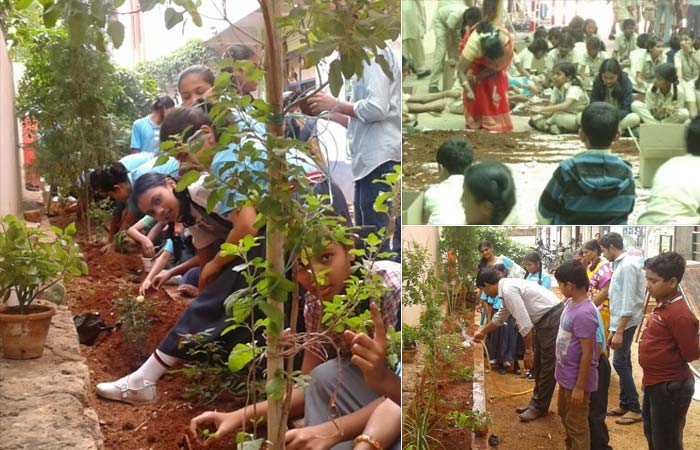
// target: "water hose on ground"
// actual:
[[468, 342]]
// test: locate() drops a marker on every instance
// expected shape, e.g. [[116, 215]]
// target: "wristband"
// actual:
[[376, 445]]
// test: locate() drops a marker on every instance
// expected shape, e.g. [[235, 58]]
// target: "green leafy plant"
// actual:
[[409, 336], [32, 262], [120, 241], [207, 372], [463, 374], [420, 426], [133, 315], [474, 420], [100, 213]]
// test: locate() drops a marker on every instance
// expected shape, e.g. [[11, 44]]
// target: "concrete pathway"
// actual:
[[43, 402]]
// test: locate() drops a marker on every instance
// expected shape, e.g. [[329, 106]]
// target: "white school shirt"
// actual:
[[443, 202]]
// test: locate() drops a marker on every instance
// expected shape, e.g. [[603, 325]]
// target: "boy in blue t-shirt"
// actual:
[[576, 354]]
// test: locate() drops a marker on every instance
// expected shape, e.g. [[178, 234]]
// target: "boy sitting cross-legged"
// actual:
[[595, 186]]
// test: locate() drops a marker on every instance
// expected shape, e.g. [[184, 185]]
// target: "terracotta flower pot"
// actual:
[[24, 335], [408, 356]]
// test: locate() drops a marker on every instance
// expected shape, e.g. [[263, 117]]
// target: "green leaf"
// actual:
[[51, 15], [240, 356], [275, 315], [172, 18], [147, 5], [100, 42], [274, 388], [380, 202], [22, 4], [335, 77], [115, 30], [77, 27], [187, 179]]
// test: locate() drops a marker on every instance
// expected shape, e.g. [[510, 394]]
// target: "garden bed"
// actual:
[[158, 426], [446, 387]]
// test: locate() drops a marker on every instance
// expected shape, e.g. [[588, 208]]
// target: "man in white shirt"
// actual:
[[535, 308], [443, 201], [626, 295], [373, 120]]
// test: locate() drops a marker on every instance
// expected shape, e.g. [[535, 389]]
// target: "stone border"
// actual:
[[43, 402], [479, 390]]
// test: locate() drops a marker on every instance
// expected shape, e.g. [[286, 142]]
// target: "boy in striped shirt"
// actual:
[[595, 186]]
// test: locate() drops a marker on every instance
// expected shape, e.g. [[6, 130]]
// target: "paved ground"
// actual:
[[43, 402]]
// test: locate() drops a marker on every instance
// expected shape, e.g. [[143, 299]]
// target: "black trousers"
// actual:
[[664, 408], [600, 439], [545, 359]]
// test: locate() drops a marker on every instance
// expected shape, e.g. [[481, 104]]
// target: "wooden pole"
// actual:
[[276, 413]]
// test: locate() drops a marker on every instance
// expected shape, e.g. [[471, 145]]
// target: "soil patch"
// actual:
[[420, 149], [159, 426], [447, 392]]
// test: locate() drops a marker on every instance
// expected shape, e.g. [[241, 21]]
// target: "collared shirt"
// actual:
[[626, 291], [526, 300], [145, 135], [528, 61], [689, 63], [649, 66], [675, 193], [443, 202], [660, 100], [624, 47], [375, 133], [569, 91], [553, 58], [591, 66], [668, 343], [389, 305]]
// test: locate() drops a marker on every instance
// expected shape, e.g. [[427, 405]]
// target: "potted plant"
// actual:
[[409, 343], [31, 263]]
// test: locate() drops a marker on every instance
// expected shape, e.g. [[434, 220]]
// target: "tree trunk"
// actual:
[[276, 413]]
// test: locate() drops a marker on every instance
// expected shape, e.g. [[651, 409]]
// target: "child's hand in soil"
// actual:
[[146, 286], [160, 279], [188, 290], [224, 423]]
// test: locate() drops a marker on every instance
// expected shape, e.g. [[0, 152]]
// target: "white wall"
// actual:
[[427, 237]]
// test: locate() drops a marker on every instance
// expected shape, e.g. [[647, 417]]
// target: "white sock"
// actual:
[[153, 369]]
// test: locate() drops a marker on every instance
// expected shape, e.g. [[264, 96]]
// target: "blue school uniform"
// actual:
[[546, 279], [145, 135]]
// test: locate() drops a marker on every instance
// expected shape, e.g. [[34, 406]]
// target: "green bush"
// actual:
[[31, 262]]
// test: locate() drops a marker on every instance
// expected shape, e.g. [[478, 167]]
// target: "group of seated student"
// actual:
[[594, 186], [366, 403]]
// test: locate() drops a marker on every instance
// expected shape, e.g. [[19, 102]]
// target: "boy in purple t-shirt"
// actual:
[[577, 358]]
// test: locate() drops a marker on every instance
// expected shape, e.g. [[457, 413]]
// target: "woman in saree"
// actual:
[[485, 54]]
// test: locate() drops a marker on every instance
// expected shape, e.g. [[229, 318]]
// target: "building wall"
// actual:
[[427, 237]]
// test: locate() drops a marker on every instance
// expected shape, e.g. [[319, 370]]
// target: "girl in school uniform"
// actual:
[[568, 100], [687, 62], [613, 86], [664, 102], [653, 59], [591, 60], [564, 52], [535, 272]]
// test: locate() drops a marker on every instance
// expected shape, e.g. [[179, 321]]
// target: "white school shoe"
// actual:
[[134, 393]]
